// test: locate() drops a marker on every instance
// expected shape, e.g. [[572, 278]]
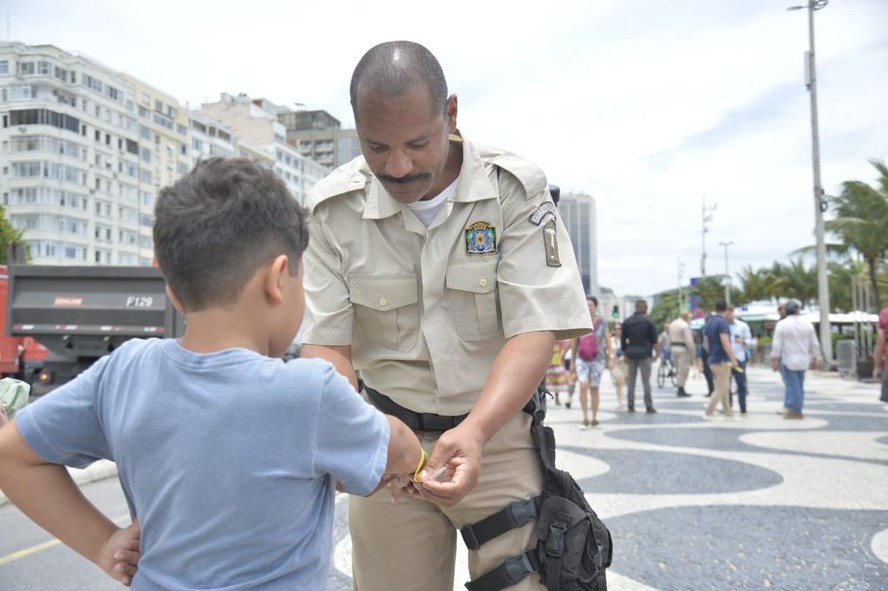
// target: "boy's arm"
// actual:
[[405, 457], [338, 355], [46, 494]]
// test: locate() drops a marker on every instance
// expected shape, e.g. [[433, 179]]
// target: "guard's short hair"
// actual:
[[394, 67], [721, 306], [792, 307], [218, 224]]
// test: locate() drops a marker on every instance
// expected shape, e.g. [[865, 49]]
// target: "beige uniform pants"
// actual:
[[721, 372], [411, 546], [682, 358]]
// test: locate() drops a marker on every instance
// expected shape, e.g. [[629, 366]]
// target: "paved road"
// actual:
[[755, 503]]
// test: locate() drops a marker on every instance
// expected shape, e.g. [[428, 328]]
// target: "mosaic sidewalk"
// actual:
[[753, 503]]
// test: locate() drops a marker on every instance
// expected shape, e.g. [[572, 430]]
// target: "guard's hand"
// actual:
[[119, 555], [458, 452]]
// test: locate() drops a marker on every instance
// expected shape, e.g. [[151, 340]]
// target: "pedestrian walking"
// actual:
[[618, 364], [639, 344], [558, 377], [880, 355], [592, 353], [740, 339], [717, 336], [683, 350], [794, 350]]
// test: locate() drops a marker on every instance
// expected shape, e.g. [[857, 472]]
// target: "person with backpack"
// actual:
[[592, 353], [639, 343]]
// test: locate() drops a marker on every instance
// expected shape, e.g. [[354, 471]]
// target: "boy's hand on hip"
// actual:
[[119, 555]]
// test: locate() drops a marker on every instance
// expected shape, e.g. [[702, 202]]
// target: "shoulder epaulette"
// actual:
[[531, 176], [345, 179]]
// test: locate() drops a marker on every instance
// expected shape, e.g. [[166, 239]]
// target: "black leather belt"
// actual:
[[418, 421]]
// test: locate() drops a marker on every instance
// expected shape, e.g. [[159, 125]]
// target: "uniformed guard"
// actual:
[[440, 271]]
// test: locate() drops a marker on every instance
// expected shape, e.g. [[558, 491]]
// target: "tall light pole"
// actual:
[[820, 205], [727, 274], [707, 217]]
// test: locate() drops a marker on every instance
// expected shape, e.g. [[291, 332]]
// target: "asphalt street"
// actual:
[[753, 503]]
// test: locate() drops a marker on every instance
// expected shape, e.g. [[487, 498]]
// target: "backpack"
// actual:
[[573, 546], [588, 348]]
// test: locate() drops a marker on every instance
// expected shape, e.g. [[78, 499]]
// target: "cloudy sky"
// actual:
[[650, 106]]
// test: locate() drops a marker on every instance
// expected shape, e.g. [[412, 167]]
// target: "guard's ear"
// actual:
[[450, 110], [275, 274]]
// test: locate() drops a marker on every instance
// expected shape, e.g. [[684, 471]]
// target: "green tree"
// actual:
[[666, 309], [794, 281], [862, 222], [755, 284], [9, 234]]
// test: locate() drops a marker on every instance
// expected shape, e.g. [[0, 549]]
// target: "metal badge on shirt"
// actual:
[[546, 213], [481, 239]]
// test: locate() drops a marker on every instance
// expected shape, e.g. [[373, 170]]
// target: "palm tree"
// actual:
[[862, 222], [755, 284]]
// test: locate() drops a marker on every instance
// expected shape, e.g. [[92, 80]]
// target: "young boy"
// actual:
[[227, 455]]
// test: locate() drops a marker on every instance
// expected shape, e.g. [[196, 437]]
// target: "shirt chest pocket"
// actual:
[[386, 309], [473, 299]]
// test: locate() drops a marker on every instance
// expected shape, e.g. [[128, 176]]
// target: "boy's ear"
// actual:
[[274, 278], [174, 300]]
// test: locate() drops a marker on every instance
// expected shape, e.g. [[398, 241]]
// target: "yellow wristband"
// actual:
[[422, 462]]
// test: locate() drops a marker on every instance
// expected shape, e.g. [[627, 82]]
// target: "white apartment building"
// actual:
[[209, 138], [163, 152], [259, 131], [70, 171]]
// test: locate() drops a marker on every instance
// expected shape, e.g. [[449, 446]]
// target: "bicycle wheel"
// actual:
[[661, 375], [673, 374]]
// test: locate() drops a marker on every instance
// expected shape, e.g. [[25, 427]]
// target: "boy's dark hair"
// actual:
[[592, 299], [216, 225], [721, 306], [394, 67]]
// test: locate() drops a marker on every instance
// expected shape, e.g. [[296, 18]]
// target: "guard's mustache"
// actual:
[[405, 179]]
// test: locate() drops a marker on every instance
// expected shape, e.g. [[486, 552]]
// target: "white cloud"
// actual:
[[647, 105]]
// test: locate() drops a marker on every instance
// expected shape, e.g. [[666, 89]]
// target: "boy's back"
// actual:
[[225, 458]]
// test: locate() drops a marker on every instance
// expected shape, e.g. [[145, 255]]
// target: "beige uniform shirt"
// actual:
[[680, 332], [426, 310]]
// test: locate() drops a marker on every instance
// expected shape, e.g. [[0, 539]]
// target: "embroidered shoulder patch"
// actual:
[[546, 209], [481, 239], [553, 259]]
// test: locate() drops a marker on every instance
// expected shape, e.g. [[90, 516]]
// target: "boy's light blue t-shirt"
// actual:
[[228, 459]]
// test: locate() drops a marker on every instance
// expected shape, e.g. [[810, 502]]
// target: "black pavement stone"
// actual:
[[746, 547], [665, 473]]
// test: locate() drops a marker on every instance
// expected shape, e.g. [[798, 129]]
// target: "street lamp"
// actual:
[[707, 217], [727, 275], [820, 204]]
